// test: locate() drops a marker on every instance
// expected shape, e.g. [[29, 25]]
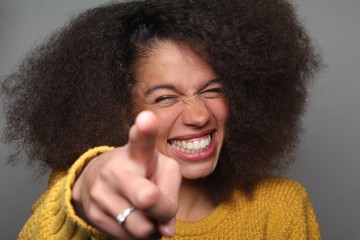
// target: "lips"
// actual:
[[194, 149]]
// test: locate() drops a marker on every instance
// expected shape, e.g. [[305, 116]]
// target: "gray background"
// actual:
[[328, 158]]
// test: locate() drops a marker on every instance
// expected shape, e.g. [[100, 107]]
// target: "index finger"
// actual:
[[142, 139]]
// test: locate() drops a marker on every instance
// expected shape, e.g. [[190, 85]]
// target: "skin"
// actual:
[[179, 97], [185, 95], [106, 186]]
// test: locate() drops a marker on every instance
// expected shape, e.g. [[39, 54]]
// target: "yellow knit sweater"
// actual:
[[279, 210]]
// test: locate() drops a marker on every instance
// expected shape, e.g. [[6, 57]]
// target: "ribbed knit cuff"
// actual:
[[71, 220]]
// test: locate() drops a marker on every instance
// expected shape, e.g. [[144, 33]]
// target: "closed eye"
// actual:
[[166, 99], [212, 93]]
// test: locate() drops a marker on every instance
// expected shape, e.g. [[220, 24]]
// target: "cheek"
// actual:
[[167, 122], [219, 110]]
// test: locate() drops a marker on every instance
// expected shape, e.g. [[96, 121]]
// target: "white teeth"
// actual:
[[196, 145], [202, 143], [192, 146]]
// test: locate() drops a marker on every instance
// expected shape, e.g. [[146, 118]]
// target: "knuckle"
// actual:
[[147, 197], [106, 173], [95, 216], [169, 210], [145, 231], [95, 193], [173, 207]]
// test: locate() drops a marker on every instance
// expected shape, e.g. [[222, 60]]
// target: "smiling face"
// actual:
[[186, 96]]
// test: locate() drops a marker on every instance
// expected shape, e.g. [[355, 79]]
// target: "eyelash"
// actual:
[[217, 91], [170, 98], [164, 99]]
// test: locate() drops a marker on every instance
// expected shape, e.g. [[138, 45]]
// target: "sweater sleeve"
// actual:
[[53, 216]]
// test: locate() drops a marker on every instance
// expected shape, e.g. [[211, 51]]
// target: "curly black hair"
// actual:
[[73, 92]]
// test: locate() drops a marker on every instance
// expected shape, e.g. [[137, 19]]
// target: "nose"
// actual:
[[195, 114]]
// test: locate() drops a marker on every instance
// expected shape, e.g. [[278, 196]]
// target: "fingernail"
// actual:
[[169, 228]]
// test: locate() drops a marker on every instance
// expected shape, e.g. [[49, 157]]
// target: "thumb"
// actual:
[[142, 140]]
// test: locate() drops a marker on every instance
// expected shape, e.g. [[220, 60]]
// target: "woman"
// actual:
[[194, 104]]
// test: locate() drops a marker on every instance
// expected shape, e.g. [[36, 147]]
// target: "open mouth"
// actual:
[[192, 146]]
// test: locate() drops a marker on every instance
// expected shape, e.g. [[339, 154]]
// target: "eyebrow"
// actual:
[[160, 86], [173, 88]]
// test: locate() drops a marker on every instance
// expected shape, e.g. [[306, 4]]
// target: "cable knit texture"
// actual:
[[280, 209]]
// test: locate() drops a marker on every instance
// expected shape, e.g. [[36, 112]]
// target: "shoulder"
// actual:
[[279, 186], [277, 192], [280, 208]]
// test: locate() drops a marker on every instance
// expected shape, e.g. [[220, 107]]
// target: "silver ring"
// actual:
[[121, 218]]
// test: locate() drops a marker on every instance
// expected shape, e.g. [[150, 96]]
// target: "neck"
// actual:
[[194, 203]]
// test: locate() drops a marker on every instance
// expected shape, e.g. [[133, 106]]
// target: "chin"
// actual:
[[196, 172]]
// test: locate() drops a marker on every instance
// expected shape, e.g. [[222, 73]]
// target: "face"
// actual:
[[186, 96]]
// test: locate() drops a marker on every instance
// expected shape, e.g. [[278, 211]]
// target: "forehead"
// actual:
[[169, 62]]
